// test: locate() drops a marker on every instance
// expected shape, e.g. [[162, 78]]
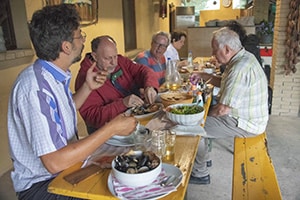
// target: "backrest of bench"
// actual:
[[254, 177]]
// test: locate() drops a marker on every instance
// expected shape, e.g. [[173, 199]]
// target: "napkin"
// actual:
[[159, 122], [145, 192], [104, 155]]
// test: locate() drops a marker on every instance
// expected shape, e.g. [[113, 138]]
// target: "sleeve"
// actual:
[[98, 109], [142, 59], [234, 88]]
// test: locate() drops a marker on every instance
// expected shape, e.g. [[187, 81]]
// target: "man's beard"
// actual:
[[78, 58]]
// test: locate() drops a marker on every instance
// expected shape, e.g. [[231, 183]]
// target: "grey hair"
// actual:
[[162, 33], [225, 36]]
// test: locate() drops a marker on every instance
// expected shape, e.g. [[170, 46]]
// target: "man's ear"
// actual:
[[227, 49], [66, 47], [94, 56]]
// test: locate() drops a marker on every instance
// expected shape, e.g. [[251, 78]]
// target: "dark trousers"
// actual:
[[39, 191]]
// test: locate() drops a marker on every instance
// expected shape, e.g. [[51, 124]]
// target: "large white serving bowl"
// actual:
[[138, 179], [185, 119]]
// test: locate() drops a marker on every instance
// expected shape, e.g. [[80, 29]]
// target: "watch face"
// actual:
[[226, 3]]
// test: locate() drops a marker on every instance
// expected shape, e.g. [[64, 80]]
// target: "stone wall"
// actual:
[[286, 88]]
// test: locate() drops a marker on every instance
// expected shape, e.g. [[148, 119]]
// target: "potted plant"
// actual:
[[265, 30]]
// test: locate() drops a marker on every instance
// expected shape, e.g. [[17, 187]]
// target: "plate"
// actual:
[[119, 143], [148, 115], [122, 141], [170, 170]]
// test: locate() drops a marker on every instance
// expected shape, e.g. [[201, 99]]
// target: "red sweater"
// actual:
[[106, 102]]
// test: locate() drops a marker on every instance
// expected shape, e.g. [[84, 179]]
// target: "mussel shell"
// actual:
[[143, 169], [132, 163], [131, 170]]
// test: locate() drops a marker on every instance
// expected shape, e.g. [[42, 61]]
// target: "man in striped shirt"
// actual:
[[154, 58], [42, 114]]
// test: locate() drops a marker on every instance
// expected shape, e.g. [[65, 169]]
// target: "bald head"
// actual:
[[105, 53], [102, 40]]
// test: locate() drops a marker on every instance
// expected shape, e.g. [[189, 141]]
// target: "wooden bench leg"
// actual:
[[254, 177]]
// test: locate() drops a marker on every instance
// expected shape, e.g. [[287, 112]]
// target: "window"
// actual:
[[7, 25], [14, 24], [129, 25]]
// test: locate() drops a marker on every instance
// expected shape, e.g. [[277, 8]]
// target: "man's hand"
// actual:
[[219, 110], [95, 79], [122, 124], [150, 95], [132, 101]]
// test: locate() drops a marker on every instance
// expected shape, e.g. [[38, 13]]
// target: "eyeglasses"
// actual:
[[164, 46], [82, 36]]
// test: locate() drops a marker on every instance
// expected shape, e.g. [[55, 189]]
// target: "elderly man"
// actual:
[[154, 58], [121, 90], [41, 115], [242, 108]]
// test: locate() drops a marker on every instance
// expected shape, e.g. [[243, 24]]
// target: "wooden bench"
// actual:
[[254, 177]]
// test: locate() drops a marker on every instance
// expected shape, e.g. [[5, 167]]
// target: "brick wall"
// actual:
[[286, 88]]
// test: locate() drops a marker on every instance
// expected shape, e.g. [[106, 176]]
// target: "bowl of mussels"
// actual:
[[136, 168]]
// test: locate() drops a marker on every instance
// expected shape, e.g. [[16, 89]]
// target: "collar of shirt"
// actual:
[[57, 73], [237, 55]]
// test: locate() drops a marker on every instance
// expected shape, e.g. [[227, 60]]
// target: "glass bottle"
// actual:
[[168, 73], [175, 78], [190, 66]]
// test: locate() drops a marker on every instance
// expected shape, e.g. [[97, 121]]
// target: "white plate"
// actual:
[[148, 114], [170, 170], [124, 141], [120, 143]]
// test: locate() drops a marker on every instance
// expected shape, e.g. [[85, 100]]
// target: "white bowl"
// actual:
[[185, 119], [137, 179]]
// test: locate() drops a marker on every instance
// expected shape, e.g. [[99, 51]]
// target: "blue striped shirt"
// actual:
[[41, 119]]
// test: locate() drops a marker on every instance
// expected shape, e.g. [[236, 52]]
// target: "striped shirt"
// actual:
[[145, 58], [41, 119], [244, 88]]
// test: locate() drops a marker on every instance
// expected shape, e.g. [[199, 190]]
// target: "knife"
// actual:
[[82, 174]]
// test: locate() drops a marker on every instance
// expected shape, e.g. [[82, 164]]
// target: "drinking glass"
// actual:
[[141, 139], [170, 137], [158, 143]]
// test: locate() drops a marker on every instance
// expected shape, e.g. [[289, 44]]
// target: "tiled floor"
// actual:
[[283, 142]]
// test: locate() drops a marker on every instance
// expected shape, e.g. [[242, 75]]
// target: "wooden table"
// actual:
[[96, 187]]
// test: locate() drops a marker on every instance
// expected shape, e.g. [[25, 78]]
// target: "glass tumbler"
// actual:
[[170, 136], [158, 143]]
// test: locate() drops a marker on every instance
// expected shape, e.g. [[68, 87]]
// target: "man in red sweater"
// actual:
[[122, 88]]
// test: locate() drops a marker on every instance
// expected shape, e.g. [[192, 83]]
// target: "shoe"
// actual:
[[200, 180], [209, 163]]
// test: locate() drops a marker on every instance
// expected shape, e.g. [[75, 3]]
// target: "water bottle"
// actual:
[[190, 66], [190, 58]]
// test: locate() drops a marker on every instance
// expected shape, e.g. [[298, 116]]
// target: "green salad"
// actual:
[[186, 110]]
